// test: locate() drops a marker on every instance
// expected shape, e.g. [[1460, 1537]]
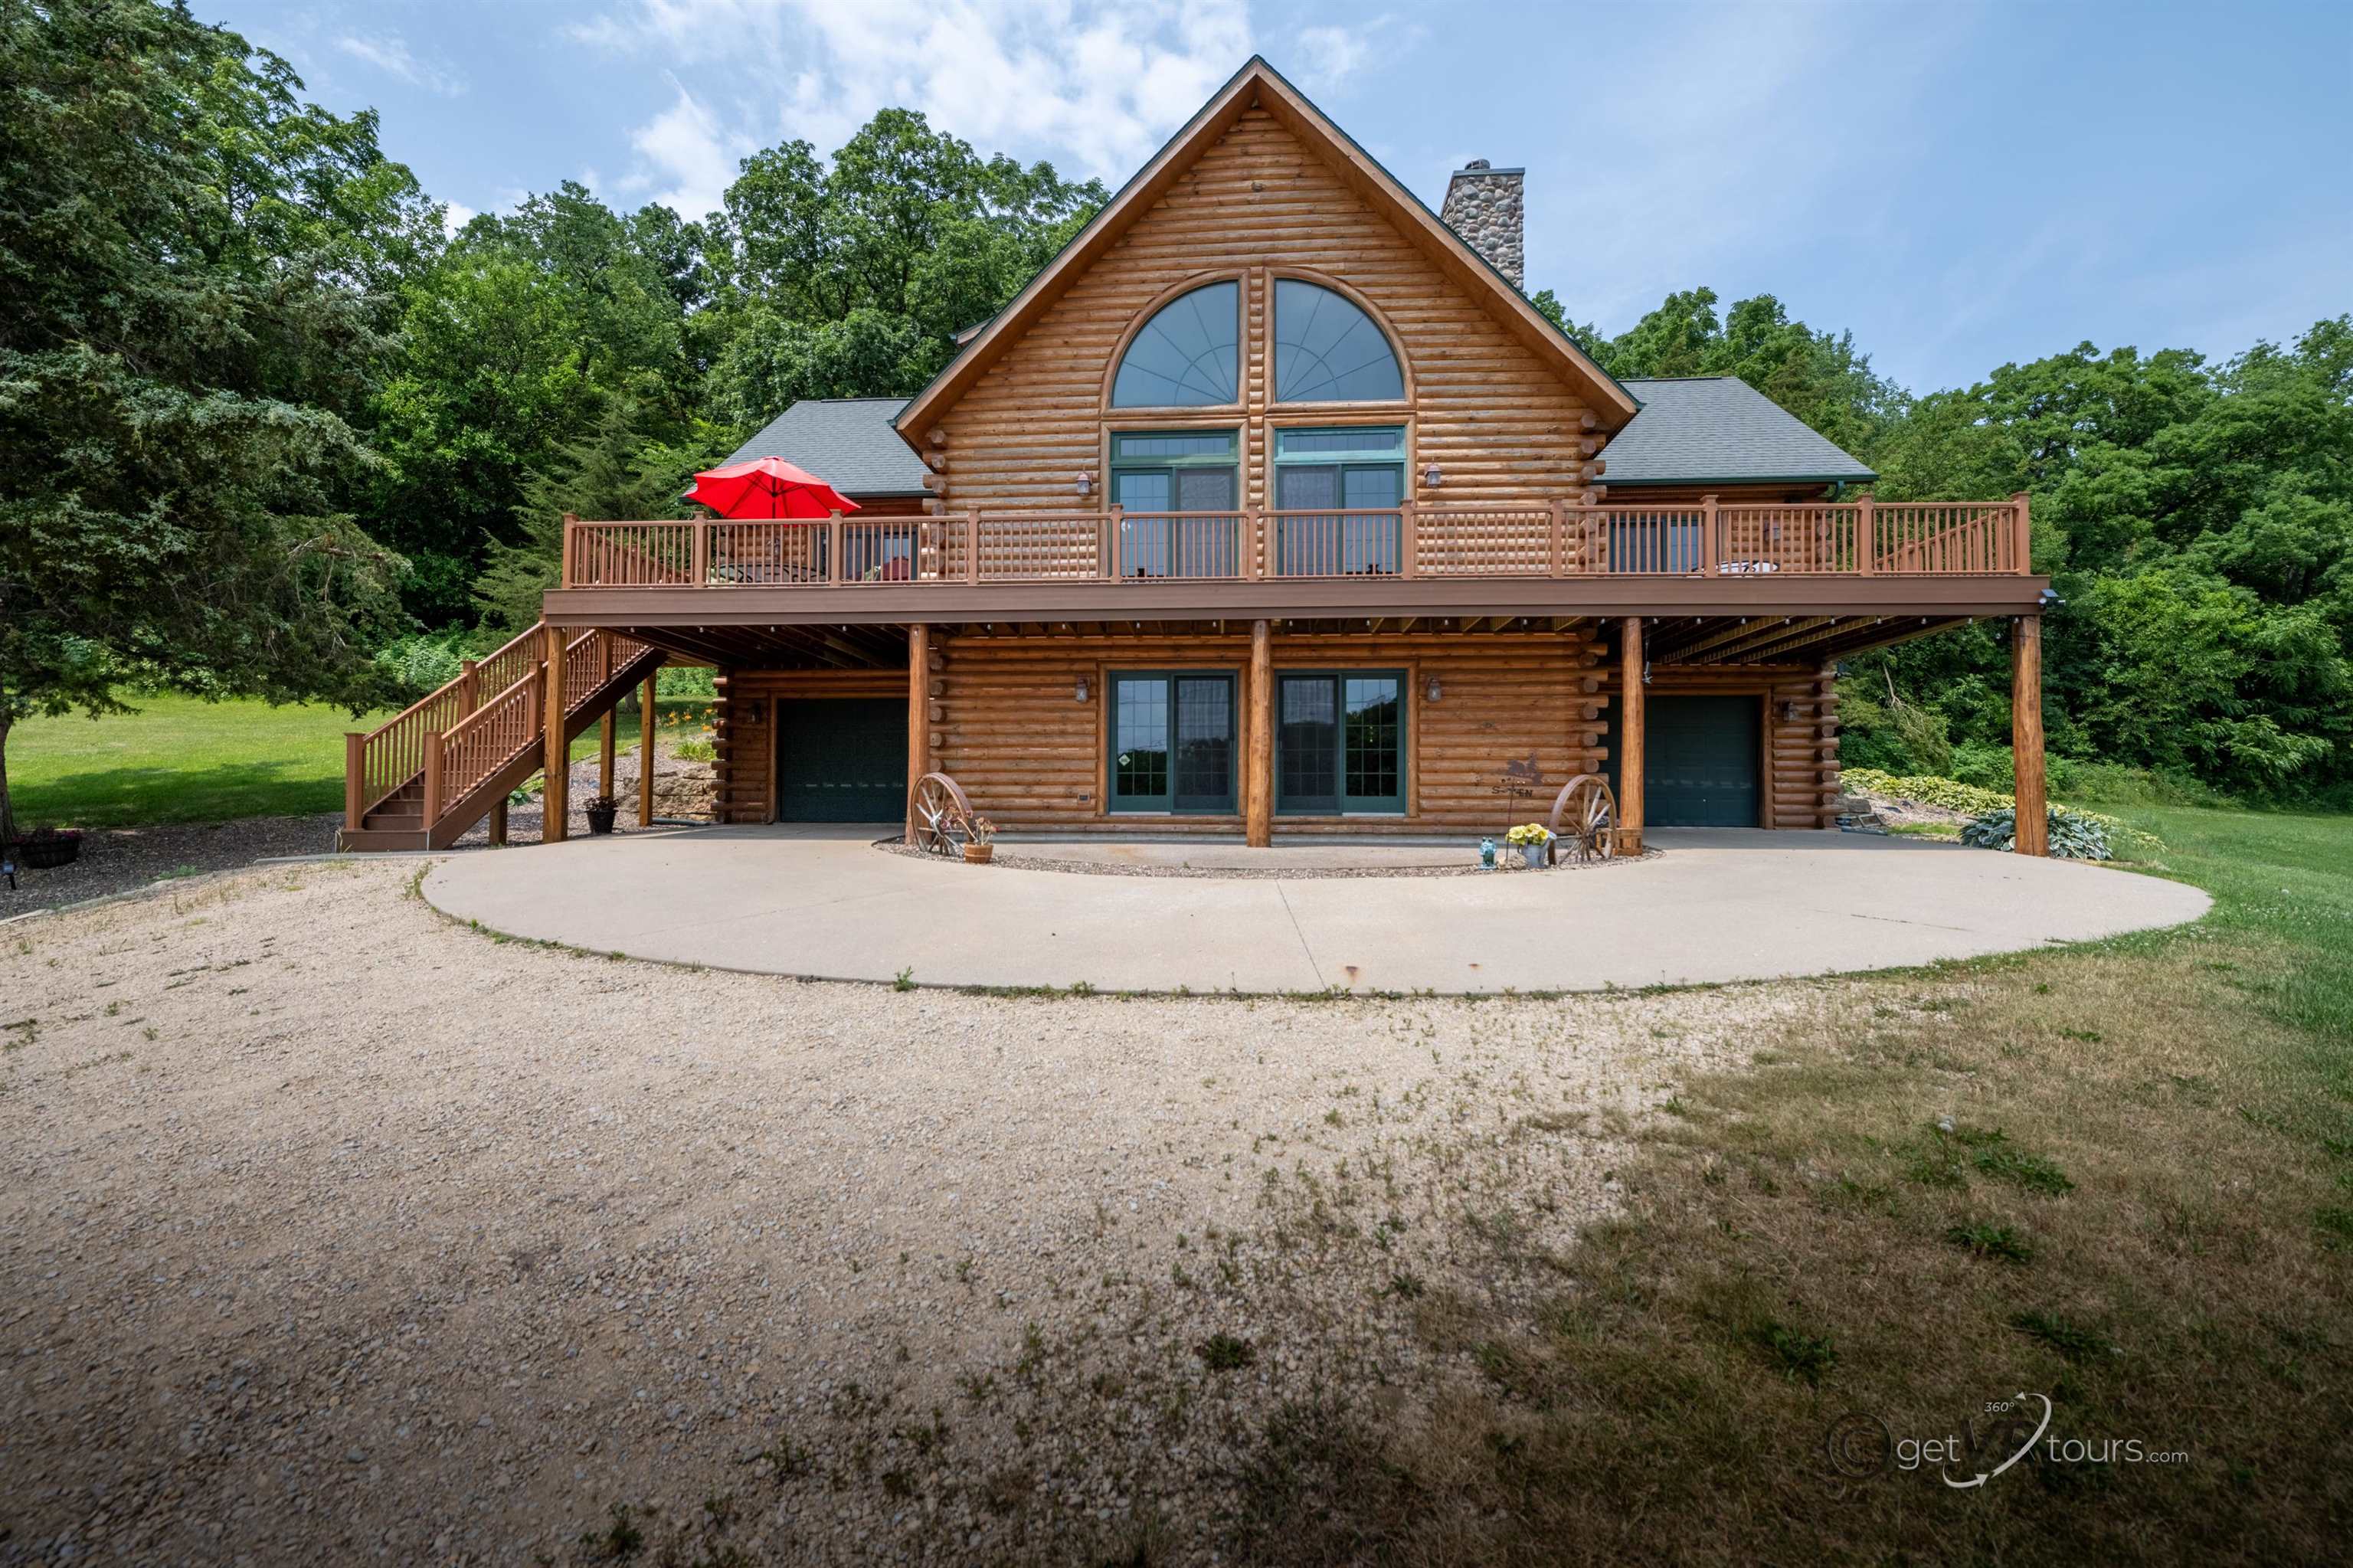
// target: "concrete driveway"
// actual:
[[1718, 905]]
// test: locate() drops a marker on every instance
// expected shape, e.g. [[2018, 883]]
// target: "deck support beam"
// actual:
[[646, 755], [1630, 737], [605, 754], [919, 727], [555, 760], [499, 822], [1257, 763], [2033, 825]]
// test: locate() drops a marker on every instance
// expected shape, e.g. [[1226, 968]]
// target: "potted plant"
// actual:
[[46, 848], [1533, 838], [982, 847], [600, 809]]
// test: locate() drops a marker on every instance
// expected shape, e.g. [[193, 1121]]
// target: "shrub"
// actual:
[[424, 660], [2073, 835]]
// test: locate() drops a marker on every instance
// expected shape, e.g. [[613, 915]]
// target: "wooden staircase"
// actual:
[[438, 768]]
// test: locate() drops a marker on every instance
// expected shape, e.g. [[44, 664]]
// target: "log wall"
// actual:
[[1005, 721], [1498, 421], [1801, 764]]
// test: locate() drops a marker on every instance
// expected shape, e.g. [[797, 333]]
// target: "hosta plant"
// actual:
[[2073, 836]]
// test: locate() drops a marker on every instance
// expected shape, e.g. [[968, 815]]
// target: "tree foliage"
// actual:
[[195, 276]]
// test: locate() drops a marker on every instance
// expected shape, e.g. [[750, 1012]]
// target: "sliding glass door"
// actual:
[[1172, 742]]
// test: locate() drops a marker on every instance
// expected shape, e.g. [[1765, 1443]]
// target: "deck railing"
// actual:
[[1701, 538]]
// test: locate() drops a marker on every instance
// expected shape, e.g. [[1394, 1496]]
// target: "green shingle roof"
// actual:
[[848, 442], [1706, 430]]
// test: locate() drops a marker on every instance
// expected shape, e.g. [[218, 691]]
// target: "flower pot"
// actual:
[[978, 854], [1533, 855], [49, 854], [600, 819]]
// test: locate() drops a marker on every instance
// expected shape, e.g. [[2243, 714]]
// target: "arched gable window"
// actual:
[[1188, 355], [1328, 351]]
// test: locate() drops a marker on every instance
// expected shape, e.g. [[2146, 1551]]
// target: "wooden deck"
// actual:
[[1860, 540]]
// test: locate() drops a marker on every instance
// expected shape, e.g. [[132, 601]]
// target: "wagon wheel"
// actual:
[[1585, 817], [940, 821]]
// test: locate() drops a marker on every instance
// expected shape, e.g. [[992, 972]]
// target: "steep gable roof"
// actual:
[[1258, 85], [845, 441], [1710, 428]]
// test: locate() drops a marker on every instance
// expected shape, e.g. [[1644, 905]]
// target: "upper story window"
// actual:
[[1187, 355], [1326, 350]]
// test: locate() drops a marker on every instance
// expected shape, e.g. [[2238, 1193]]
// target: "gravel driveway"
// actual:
[[334, 1231]]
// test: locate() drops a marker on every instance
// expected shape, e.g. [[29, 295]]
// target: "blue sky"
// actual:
[[1960, 185]]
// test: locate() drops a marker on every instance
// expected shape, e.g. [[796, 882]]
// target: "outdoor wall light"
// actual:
[[1080, 693], [1434, 691], [1789, 712], [1086, 484], [1432, 476]]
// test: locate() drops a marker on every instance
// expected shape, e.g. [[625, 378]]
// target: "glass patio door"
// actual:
[[1340, 742], [1172, 742]]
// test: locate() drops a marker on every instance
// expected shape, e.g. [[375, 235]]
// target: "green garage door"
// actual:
[[841, 759], [1700, 770], [1700, 767]]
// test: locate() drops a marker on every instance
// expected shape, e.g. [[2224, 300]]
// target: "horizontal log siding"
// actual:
[[1804, 789], [746, 737], [1011, 731], [1501, 425], [1005, 725]]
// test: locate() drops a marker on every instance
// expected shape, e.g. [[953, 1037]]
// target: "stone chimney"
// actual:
[[1485, 205]]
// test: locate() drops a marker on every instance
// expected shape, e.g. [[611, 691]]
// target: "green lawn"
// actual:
[[2118, 1177], [181, 759]]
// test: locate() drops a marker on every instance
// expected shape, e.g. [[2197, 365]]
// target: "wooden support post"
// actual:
[[646, 755], [972, 545], [568, 572], [2026, 733], [605, 754], [432, 807], [1630, 737], [354, 770], [2022, 546], [555, 757], [1866, 536], [1408, 540], [1712, 532], [919, 729], [1257, 763], [499, 821], [834, 568]]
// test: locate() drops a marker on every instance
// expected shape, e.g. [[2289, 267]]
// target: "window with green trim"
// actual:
[[1341, 487], [1153, 473], [1340, 742], [1172, 741]]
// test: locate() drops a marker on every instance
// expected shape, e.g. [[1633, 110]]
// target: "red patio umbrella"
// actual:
[[767, 487]]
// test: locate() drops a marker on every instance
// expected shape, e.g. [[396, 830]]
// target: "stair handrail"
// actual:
[[377, 763]]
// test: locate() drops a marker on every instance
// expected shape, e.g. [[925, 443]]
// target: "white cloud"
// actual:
[[455, 215], [390, 54], [1093, 85], [1331, 59], [689, 158]]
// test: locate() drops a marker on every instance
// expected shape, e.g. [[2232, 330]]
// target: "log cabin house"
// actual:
[[1271, 504]]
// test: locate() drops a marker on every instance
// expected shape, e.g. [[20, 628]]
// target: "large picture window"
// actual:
[[1340, 742], [1172, 742], [1188, 355], [1326, 350]]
